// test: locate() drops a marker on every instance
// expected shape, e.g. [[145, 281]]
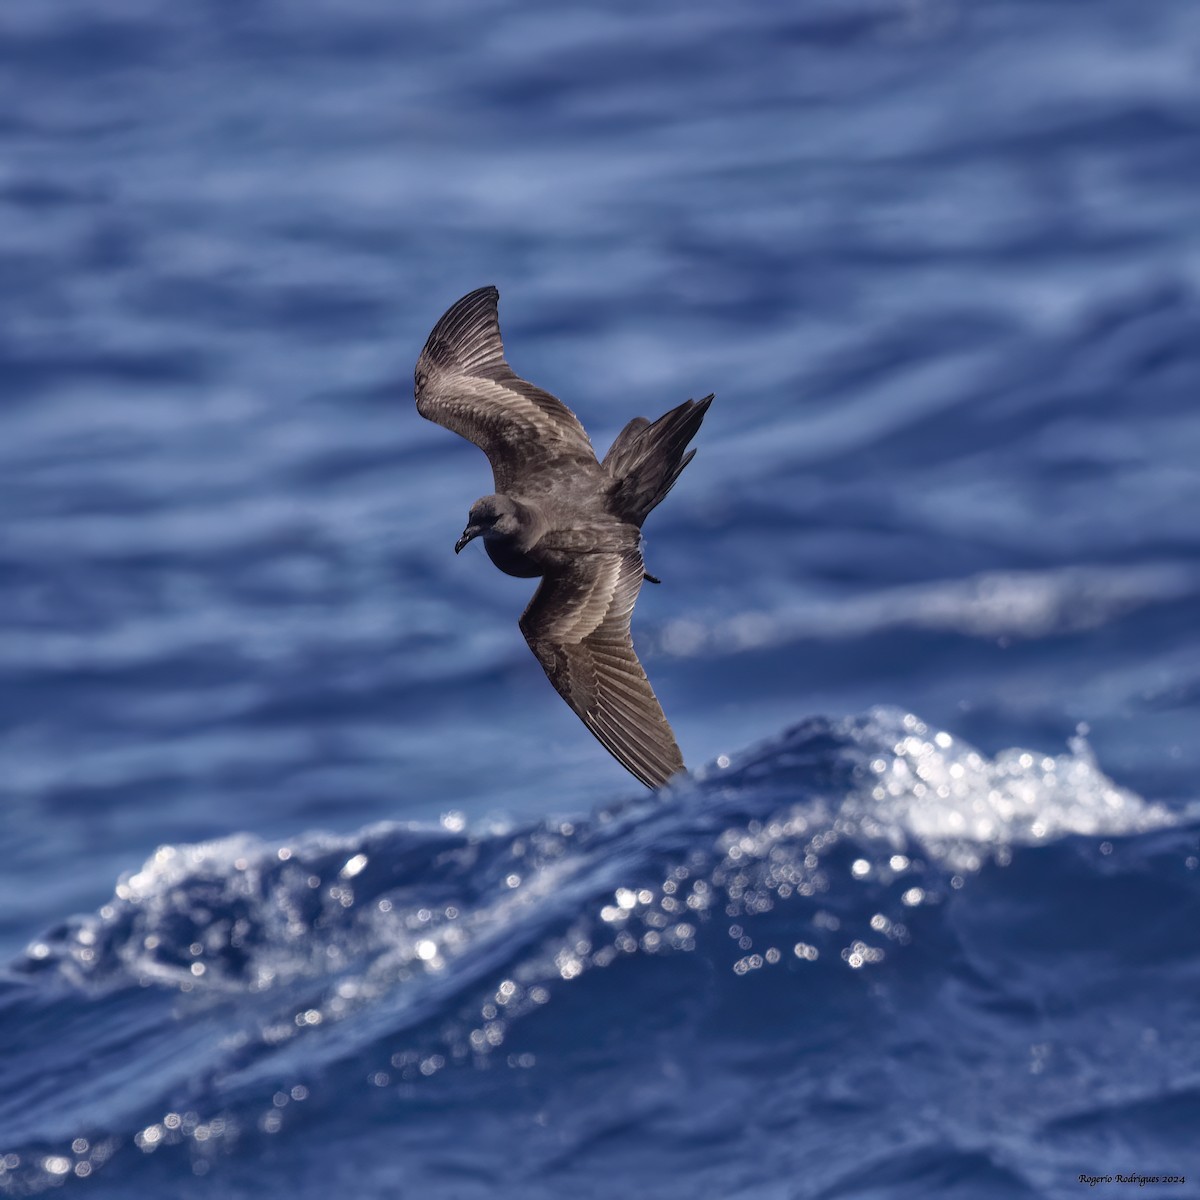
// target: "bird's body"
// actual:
[[560, 514]]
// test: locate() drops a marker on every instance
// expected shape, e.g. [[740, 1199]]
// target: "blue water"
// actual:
[[313, 887]]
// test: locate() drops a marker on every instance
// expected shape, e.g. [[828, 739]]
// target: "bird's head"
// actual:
[[491, 517]]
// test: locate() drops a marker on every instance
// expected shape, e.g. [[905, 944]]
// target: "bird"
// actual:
[[561, 515]]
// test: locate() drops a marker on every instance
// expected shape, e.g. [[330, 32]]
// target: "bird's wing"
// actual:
[[462, 382], [578, 626]]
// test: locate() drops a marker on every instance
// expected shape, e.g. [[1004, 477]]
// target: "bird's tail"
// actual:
[[646, 459]]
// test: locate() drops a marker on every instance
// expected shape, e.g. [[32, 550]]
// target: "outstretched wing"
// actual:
[[462, 382], [578, 626]]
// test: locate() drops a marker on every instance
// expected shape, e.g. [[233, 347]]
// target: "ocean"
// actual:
[[311, 884]]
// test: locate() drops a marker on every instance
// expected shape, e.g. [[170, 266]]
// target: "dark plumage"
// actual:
[[559, 514]]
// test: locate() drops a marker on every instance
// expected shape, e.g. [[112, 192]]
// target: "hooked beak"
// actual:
[[469, 534]]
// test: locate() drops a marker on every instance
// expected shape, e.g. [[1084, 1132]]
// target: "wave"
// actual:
[[996, 604], [228, 984]]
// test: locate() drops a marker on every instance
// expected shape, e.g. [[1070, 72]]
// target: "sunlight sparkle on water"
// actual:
[[353, 866]]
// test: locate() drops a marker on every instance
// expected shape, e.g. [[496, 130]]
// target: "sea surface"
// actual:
[[311, 886]]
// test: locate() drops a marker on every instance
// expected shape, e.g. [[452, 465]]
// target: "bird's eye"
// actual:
[[419, 380]]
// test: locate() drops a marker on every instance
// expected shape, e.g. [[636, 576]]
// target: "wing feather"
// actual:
[[463, 383], [578, 626]]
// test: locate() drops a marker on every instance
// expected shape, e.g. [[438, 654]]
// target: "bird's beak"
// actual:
[[469, 534]]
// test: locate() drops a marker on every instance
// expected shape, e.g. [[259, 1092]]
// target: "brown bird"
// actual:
[[559, 514]]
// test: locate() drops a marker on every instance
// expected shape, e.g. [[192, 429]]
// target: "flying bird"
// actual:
[[560, 514]]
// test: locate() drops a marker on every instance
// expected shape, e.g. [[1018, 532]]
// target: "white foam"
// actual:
[[965, 808], [1015, 604]]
